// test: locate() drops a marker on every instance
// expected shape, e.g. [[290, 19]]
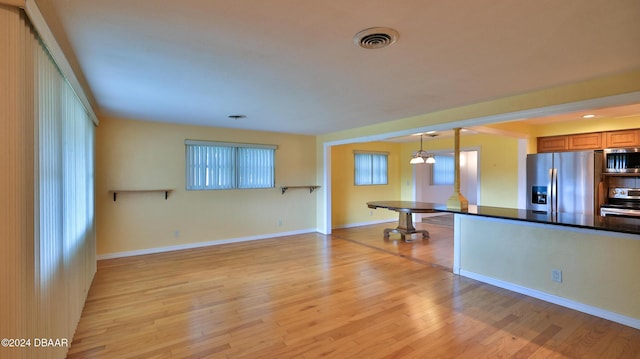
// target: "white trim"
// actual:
[[228, 144], [581, 307], [49, 41], [201, 244], [360, 224], [365, 152], [326, 194], [457, 240], [522, 174]]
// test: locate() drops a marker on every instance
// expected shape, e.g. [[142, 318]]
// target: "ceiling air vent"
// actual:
[[375, 37]]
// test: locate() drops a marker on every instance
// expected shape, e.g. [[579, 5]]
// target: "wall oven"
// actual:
[[622, 160], [623, 202]]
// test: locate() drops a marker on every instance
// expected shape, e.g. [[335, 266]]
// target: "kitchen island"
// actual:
[[587, 263], [609, 223]]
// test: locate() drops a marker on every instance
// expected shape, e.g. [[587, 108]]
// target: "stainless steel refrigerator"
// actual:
[[564, 182]]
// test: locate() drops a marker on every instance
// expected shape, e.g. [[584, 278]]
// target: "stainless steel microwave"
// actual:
[[622, 160]]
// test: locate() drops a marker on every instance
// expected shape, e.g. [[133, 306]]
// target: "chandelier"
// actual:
[[423, 156]]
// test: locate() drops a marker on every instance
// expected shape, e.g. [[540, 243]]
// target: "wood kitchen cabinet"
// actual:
[[582, 141], [585, 141], [625, 138], [590, 141], [553, 144]]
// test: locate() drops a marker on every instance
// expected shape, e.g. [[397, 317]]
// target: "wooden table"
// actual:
[[405, 210]]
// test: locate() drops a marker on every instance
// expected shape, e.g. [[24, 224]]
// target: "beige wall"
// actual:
[[598, 269], [498, 171], [146, 155], [348, 200], [498, 166]]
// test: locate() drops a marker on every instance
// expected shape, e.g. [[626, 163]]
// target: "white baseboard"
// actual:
[[360, 224], [581, 307], [200, 244]]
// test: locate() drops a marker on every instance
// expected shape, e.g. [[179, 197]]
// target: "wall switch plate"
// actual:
[[556, 275]]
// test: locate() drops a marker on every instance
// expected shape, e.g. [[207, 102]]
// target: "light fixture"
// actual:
[[422, 156], [589, 116]]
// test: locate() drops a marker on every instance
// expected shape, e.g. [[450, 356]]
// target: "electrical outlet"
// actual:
[[279, 222], [556, 275], [176, 233], [370, 213]]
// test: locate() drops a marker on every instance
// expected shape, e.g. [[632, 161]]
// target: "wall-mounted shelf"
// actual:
[[310, 188], [163, 190]]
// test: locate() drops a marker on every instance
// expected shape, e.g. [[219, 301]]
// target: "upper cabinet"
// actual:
[[585, 141], [553, 144], [589, 141], [626, 138]]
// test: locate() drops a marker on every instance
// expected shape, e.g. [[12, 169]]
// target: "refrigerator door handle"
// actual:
[[553, 184], [555, 190], [550, 191]]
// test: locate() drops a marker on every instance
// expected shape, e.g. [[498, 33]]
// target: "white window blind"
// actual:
[[47, 226], [223, 165], [65, 231], [442, 170], [370, 168]]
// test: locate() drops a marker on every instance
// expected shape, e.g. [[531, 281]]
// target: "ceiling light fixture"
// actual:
[[589, 116], [422, 156], [237, 117], [375, 37]]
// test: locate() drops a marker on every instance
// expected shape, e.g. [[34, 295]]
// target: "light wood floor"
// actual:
[[348, 295]]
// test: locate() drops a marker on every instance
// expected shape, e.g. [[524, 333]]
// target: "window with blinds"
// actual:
[[47, 229], [370, 168], [223, 165], [442, 171]]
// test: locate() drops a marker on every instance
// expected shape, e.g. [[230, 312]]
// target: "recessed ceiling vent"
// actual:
[[375, 37]]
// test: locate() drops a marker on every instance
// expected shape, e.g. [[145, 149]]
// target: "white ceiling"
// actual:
[[291, 65]]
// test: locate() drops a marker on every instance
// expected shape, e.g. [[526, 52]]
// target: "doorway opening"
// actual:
[[434, 183]]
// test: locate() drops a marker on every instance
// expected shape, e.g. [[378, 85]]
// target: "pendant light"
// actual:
[[422, 156]]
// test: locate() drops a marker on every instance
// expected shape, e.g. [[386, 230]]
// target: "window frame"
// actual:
[[441, 159], [372, 174], [234, 164]]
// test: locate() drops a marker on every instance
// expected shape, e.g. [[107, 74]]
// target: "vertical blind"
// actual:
[[65, 243], [370, 168], [256, 167], [48, 257], [442, 171], [217, 165]]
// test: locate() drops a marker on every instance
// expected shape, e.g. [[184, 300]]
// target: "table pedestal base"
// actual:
[[405, 227]]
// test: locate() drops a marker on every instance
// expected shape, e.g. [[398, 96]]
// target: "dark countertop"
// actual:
[[608, 223]]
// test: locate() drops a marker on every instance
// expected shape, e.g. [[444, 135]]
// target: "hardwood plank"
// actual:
[[351, 294]]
